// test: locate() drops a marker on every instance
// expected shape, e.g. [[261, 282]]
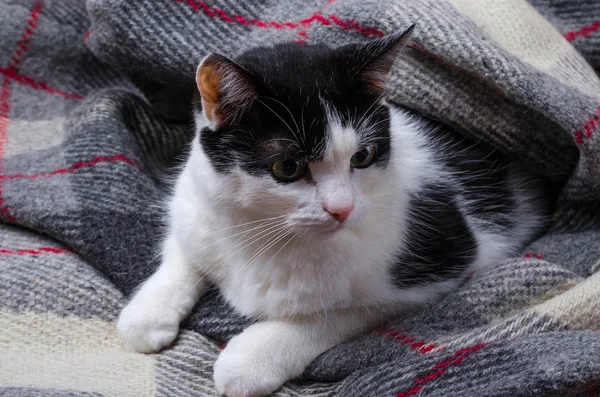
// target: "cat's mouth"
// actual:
[[335, 228], [327, 227]]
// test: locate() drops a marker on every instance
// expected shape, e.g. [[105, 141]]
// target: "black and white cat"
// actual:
[[321, 209]]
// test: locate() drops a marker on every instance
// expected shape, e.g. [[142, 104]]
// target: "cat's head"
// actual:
[[300, 132]]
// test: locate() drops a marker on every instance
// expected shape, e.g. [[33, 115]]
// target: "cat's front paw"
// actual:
[[145, 328], [245, 369]]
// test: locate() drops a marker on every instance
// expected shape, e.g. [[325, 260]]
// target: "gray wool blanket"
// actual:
[[94, 115]]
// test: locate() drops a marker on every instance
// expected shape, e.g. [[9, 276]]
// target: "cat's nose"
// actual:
[[340, 213]]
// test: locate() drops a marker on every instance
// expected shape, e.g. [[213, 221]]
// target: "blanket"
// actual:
[[95, 115]]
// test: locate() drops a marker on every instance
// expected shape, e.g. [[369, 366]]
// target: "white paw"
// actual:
[[145, 327], [245, 369]]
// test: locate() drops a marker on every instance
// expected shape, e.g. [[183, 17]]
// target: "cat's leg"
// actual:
[[151, 320], [267, 354]]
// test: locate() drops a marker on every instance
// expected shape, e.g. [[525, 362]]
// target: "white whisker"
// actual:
[[280, 118]]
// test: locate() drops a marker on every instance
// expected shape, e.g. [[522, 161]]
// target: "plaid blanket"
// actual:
[[94, 113]]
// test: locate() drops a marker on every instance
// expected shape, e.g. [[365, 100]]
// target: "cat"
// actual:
[[321, 209]]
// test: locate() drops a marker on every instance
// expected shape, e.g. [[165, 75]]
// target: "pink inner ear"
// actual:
[[226, 89], [211, 111], [208, 81]]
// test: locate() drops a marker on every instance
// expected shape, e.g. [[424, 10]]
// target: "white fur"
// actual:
[[273, 251]]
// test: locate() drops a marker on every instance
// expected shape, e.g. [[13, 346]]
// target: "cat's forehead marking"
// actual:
[[342, 141]]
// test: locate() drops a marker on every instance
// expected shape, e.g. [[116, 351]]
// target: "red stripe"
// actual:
[[439, 369], [86, 35], [36, 251], [418, 345], [23, 43], [429, 377], [242, 20], [322, 19], [82, 164], [4, 102], [410, 392], [537, 255], [192, 4], [583, 31], [15, 60], [4, 119], [367, 31], [589, 128], [309, 20], [258, 23], [38, 85], [339, 22], [223, 15], [427, 348], [214, 12]]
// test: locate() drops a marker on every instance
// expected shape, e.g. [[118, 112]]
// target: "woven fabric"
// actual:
[[95, 113]]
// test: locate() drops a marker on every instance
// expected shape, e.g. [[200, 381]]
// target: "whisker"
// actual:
[[302, 122], [366, 113], [267, 246], [288, 110], [266, 224], [280, 118], [245, 244], [248, 223], [282, 247]]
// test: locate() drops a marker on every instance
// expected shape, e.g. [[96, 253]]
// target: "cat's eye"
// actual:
[[288, 170], [364, 157]]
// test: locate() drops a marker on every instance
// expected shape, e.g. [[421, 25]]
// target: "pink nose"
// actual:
[[340, 214]]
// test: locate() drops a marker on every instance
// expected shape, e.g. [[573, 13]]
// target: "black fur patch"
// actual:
[[484, 178], [440, 244]]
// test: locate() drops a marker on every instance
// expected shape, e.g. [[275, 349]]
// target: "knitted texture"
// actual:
[[95, 113]]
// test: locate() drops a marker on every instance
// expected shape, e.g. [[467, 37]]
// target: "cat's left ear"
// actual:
[[226, 89], [378, 56]]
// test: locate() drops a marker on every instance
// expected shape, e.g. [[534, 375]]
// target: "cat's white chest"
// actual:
[[282, 290]]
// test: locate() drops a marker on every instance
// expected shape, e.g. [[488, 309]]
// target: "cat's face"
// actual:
[[301, 133]]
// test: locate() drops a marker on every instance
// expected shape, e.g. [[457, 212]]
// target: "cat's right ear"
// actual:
[[378, 56], [225, 88]]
